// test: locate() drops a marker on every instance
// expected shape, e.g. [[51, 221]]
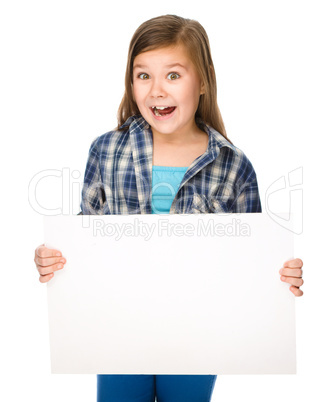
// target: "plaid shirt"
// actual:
[[118, 175]]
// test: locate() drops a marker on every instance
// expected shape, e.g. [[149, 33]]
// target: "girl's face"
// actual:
[[167, 78]]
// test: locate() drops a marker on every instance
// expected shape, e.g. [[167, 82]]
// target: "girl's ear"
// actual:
[[202, 89]]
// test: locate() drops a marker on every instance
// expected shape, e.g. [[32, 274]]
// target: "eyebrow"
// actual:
[[167, 66]]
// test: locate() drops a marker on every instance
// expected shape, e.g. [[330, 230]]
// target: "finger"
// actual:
[[47, 270], [45, 252], [293, 281], [296, 291], [45, 278], [46, 262], [294, 263], [291, 272]]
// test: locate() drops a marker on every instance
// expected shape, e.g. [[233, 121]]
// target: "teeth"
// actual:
[[160, 107]]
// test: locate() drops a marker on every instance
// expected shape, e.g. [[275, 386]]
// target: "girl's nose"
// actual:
[[157, 89]]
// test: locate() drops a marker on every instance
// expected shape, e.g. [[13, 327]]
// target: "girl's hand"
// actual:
[[47, 261], [292, 273]]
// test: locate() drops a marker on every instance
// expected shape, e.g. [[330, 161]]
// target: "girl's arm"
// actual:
[[93, 192]]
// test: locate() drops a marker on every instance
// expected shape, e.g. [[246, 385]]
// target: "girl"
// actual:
[[169, 154]]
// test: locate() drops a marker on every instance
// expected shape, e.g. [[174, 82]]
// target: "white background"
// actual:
[[62, 79]]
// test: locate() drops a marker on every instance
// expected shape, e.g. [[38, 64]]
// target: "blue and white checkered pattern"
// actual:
[[118, 175]]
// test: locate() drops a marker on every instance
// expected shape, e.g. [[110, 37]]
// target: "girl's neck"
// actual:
[[185, 137], [179, 153]]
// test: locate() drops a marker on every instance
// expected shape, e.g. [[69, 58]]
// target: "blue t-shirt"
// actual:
[[165, 183]]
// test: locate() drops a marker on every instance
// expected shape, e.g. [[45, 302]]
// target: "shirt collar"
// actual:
[[216, 139]]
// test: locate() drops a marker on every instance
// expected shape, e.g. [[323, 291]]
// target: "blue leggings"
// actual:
[[144, 388]]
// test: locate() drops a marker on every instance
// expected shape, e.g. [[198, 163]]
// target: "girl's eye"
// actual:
[[173, 75], [143, 74]]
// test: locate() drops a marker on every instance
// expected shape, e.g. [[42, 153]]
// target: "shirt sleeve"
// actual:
[[93, 193], [247, 198]]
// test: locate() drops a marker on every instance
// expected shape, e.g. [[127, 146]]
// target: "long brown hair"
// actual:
[[171, 30]]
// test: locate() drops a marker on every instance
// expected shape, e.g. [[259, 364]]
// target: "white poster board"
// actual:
[[171, 294]]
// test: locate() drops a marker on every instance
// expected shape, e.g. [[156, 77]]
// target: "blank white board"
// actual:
[[171, 294]]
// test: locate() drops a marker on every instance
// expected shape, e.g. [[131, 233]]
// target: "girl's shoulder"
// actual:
[[227, 149], [117, 141], [232, 158], [110, 138]]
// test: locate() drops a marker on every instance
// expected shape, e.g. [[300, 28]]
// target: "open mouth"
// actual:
[[162, 110]]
